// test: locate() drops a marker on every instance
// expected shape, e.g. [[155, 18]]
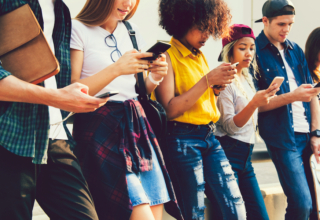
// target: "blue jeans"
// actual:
[[196, 162], [295, 176], [239, 155]]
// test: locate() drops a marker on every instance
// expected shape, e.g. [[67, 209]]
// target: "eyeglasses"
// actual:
[[111, 41]]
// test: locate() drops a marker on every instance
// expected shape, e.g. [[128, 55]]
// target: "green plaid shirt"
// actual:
[[24, 128]]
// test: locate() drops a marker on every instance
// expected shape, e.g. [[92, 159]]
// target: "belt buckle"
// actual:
[[212, 126]]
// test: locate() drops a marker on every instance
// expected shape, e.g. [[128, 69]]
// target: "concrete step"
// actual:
[[274, 198]]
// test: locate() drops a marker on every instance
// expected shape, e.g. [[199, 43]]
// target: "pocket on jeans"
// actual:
[[227, 143]]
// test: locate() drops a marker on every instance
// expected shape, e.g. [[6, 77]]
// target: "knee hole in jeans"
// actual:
[[198, 211], [227, 179]]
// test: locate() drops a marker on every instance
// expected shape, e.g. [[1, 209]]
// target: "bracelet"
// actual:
[[207, 81], [153, 81]]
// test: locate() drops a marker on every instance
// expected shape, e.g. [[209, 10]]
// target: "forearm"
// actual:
[[13, 89], [99, 80], [278, 101], [315, 114], [244, 116], [180, 104]]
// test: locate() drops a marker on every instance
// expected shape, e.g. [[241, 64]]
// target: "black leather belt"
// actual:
[[211, 125]]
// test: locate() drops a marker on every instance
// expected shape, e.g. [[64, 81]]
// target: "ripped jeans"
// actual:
[[197, 164]]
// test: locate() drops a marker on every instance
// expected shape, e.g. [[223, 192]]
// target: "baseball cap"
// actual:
[[237, 31], [273, 8]]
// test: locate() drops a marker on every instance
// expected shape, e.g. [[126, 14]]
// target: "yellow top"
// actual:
[[188, 70]]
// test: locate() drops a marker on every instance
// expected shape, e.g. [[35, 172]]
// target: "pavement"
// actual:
[[265, 172]]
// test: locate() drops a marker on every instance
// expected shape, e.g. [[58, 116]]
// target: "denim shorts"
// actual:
[[148, 187]]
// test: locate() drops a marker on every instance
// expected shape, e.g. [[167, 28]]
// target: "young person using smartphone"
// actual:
[[36, 158], [238, 105], [290, 123], [118, 151], [312, 53], [194, 157]]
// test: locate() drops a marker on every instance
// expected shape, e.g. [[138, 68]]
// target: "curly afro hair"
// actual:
[[177, 17]]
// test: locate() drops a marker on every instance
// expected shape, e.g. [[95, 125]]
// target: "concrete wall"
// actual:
[[147, 19]]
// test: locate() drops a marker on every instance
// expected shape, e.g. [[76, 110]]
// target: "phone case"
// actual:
[[157, 49]]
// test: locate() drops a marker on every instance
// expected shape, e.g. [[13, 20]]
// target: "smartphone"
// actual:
[[278, 80], [235, 65], [107, 94], [157, 49], [317, 86]]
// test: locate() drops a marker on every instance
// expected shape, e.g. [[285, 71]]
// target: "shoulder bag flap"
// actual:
[[24, 50], [17, 28]]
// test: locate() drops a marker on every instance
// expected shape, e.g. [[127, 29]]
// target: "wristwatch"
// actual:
[[315, 133]]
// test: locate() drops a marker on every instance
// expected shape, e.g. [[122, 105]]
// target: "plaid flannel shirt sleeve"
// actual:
[[24, 126], [3, 73]]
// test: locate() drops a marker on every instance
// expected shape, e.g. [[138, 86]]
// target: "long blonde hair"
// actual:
[[97, 12]]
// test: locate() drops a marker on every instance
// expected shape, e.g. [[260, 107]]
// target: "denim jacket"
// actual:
[[276, 126]]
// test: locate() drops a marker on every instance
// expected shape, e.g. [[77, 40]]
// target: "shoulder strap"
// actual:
[[132, 34]]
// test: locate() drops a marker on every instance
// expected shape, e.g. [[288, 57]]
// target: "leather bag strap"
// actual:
[[141, 83]]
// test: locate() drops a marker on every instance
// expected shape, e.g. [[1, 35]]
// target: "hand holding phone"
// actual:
[[278, 79], [157, 49], [235, 65], [317, 86], [108, 94]]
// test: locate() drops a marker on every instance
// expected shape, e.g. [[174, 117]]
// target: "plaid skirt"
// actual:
[[111, 141]]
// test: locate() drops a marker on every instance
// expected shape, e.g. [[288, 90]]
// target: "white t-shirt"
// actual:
[[250, 93], [47, 7], [97, 55], [300, 122], [232, 101]]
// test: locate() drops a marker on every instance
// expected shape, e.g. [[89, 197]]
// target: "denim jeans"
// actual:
[[239, 155], [295, 176], [196, 162]]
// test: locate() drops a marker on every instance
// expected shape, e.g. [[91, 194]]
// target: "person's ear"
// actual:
[[265, 21]]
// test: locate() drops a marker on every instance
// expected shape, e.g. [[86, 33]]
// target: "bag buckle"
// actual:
[[132, 32]]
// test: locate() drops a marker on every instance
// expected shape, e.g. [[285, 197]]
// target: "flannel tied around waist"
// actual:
[[111, 141], [137, 138], [120, 127]]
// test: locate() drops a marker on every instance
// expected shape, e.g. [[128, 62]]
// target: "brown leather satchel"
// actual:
[[24, 50]]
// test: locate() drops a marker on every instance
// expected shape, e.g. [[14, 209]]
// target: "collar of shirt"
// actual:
[[183, 49], [263, 42]]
